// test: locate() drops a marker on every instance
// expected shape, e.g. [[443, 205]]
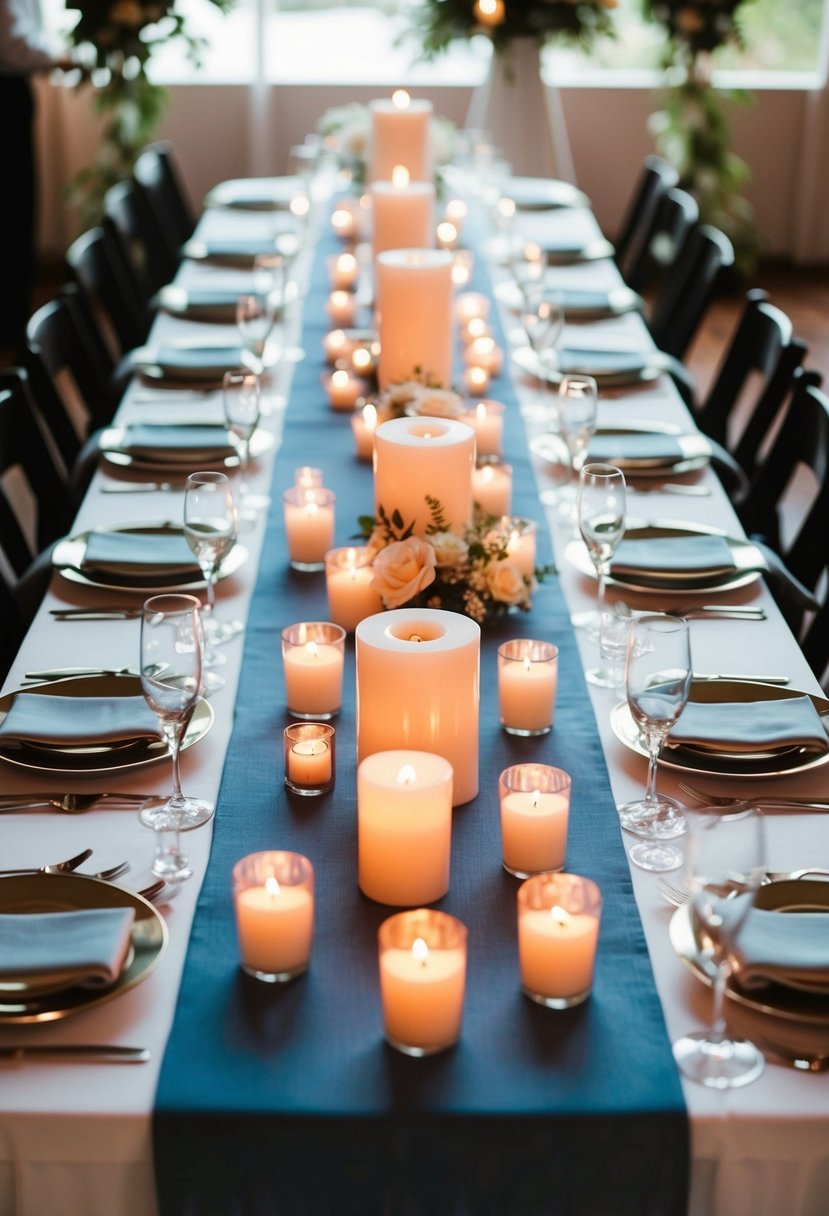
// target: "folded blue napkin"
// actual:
[[751, 727], [635, 447], [673, 557], [140, 554], [789, 948], [51, 951], [198, 358], [161, 441], [50, 720]]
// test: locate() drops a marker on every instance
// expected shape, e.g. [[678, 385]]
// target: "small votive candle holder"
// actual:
[[558, 931], [520, 542], [535, 810], [476, 379], [471, 305], [475, 327], [527, 684], [342, 308], [313, 655], [309, 526], [486, 418], [492, 488], [486, 353], [343, 270], [363, 425], [344, 389], [348, 577], [422, 956], [273, 896], [309, 758]]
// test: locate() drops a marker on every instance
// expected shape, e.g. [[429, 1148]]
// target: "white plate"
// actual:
[[114, 438], [68, 554], [695, 448], [256, 194], [642, 368], [542, 194], [147, 362]]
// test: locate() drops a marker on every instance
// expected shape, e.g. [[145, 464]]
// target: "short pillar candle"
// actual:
[[422, 957], [486, 418], [309, 526], [420, 456], [309, 755], [404, 827], [535, 810], [313, 659], [527, 685], [348, 577], [415, 321], [403, 213], [558, 931], [401, 135], [273, 895]]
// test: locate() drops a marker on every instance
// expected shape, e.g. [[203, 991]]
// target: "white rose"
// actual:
[[505, 582], [450, 550]]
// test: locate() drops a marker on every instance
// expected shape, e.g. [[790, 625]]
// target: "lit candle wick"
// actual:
[[420, 951], [536, 798], [272, 887], [560, 915], [415, 637], [407, 775]]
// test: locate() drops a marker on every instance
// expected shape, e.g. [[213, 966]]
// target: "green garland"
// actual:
[[439, 22]]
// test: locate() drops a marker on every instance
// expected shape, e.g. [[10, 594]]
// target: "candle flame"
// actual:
[[312, 649], [370, 416], [446, 233], [361, 359], [339, 298], [456, 209], [340, 379], [514, 539], [341, 219], [311, 508], [420, 951], [400, 177], [415, 637], [346, 263], [272, 886], [536, 798], [480, 410], [299, 205], [560, 915], [407, 775], [527, 663], [401, 99], [476, 327], [486, 474]]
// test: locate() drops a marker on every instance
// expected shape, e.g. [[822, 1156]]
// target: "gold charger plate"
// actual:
[[114, 438], [23, 894], [695, 449], [791, 1010], [68, 555], [691, 760], [745, 555], [97, 758]]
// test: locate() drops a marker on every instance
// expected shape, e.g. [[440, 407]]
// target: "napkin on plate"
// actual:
[[751, 727], [49, 720], [142, 555], [673, 557], [51, 951], [639, 447], [161, 441], [599, 363], [197, 358], [789, 948]]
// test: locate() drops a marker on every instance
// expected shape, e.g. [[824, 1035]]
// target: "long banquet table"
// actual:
[[79, 1138]]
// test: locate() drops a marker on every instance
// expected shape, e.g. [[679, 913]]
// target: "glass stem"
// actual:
[[173, 732], [718, 1027], [653, 756], [601, 593]]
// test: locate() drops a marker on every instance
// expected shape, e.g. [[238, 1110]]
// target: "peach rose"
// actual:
[[403, 569], [505, 582], [450, 550]]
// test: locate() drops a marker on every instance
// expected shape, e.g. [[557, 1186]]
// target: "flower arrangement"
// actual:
[[346, 131], [438, 22], [415, 397], [116, 40], [472, 574]]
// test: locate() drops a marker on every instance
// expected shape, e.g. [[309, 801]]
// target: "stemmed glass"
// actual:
[[576, 409], [658, 673], [600, 512], [241, 397], [542, 316], [171, 673], [726, 856], [210, 528]]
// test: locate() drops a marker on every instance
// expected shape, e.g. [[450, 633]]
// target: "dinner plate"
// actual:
[[97, 758], [189, 363], [256, 194], [572, 255], [695, 450], [543, 194], [743, 553], [776, 1000], [217, 304], [68, 554], [241, 250], [631, 367], [690, 760], [113, 442], [25, 894]]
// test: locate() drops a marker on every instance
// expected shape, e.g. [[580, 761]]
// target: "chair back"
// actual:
[[676, 314], [156, 172], [113, 285], [655, 179], [129, 209], [674, 216]]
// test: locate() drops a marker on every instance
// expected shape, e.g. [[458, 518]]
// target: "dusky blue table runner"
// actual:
[[284, 1100]]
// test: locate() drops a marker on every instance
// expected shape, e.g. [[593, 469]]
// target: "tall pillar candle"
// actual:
[[401, 135], [418, 688], [416, 319], [402, 214], [416, 457]]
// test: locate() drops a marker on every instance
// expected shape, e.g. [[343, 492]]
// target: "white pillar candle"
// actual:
[[487, 420], [404, 827], [418, 687], [558, 930], [312, 657], [309, 526], [527, 683], [535, 809], [403, 214], [422, 958], [492, 488], [415, 322], [274, 902], [351, 597], [416, 457], [401, 135]]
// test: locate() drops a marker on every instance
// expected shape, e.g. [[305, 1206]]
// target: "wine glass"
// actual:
[[210, 530], [658, 674], [171, 673], [600, 512], [576, 411], [726, 856], [241, 397], [542, 317]]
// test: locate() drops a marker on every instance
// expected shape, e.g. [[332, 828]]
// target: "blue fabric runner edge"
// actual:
[[285, 1099]]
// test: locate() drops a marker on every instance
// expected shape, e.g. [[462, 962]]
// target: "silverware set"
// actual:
[[71, 804], [70, 866], [678, 896], [762, 800]]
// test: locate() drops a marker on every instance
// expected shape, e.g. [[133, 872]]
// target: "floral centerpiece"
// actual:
[[691, 129], [115, 41], [438, 22], [346, 131]]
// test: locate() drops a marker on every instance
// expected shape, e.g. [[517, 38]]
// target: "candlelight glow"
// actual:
[[420, 951], [560, 915], [401, 99], [370, 416], [400, 177], [340, 378], [447, 234], [407, 775], [361, 359], [312, 649], [300, 206], [272, 886], [536, 798], [527, 666]]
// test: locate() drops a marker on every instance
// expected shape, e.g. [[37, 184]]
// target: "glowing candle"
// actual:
[[476, 379], [487, 420], [403, 213], [415, 322], [492, 488], [521, 542], [309, 526], [422, 980], [404, 827], [475, 327], [351, 597], [306, 477], [363, 426], [342, 307], [309, 757], [446, 235], [471, 305], [343, 388], [558, 930], [416, 457], [343, 271], [401, 135], [527, 682], [274, 903], [484, 352], [312, 657], [535, 809]]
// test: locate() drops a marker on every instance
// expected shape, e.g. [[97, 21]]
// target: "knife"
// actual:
[[99, 1053], [95, 614], [65, 673], [739, 679]]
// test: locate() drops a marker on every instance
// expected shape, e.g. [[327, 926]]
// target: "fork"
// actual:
[[71, 804], [793, 804], [679, 896], [741, 612], [110, 874], [58, 867]]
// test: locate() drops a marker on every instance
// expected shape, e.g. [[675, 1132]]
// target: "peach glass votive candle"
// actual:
[[492, 488], [343, 388], [306, 477], [343, 271], [520, 542], [484, 352], [309, 526], [558, 931], [363, 426], [273, 895], [422, 980], [348, 578], [486, 418], [309, 756], [535, 810], [476, 379], [313, 657], [342, 307], [404, 827], [527, 683]]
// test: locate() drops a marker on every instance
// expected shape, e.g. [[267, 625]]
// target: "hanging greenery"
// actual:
[[438, 22]]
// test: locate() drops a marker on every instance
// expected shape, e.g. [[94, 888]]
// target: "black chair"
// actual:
[[116, 290], [675, 313], [674, 217], [156, 172], [130, 210], [656, 178]]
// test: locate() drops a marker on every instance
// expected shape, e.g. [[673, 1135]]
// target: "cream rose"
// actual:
[[438, 403], [450, 550], [403, 569], [505, 582]]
